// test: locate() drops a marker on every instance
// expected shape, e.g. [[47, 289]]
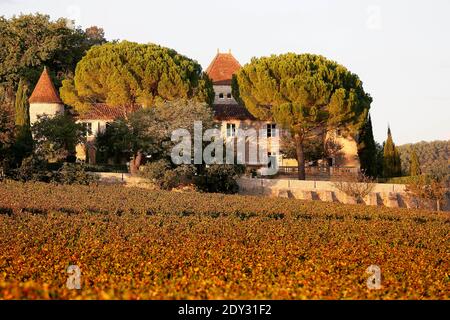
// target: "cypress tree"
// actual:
[[398, 163], [414, 168], [21, 111], [390, 157], [23, 145], [367, 149]]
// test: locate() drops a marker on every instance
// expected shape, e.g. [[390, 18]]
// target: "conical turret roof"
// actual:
[[45, 91]]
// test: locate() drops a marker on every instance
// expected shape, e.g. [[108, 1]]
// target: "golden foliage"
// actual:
[[139, 244]]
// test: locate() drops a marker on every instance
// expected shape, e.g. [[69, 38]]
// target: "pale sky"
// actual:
[[399, 48]]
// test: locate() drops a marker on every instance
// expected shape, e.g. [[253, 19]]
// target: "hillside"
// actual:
[[432, 155]]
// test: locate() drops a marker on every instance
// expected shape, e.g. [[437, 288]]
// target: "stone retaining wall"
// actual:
[[389, 195], [124, 178]]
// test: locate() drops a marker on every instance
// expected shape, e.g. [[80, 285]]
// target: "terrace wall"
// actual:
[[390, 195]]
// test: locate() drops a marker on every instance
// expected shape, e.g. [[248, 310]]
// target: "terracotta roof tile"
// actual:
[[45, 91], [231, 112], [222, 68], [101, 111]]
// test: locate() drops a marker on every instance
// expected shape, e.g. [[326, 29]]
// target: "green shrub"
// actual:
[[33, 168], [180, 176], [71, 173], [220, 178], [214, 178], [154, 171], [165, 177]]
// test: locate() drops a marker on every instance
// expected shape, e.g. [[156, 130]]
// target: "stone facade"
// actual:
[[252, 144], [87, 152], [347, 156], [223, 95], [44, 109]]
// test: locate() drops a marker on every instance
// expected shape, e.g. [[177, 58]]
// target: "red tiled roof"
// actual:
[[101, 111], [222, 68], [231, 112], [45, 91]]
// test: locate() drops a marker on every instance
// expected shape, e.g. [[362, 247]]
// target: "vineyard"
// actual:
[[139, 244]]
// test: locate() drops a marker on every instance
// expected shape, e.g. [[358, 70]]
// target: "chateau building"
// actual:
[[233, 116], [230, 115]]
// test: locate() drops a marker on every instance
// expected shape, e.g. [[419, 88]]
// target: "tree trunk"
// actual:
[[135, 163], [300, 158], [438, 205]]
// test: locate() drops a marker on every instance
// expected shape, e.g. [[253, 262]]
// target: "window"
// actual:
[[231, 130], [88, 127], [271, 130], [220, 95], [228, 95]]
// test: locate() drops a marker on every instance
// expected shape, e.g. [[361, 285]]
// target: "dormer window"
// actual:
[[228, 95], [220, 95]]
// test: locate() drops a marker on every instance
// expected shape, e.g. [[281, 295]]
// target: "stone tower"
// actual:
[[221, 71], [45, 99]]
